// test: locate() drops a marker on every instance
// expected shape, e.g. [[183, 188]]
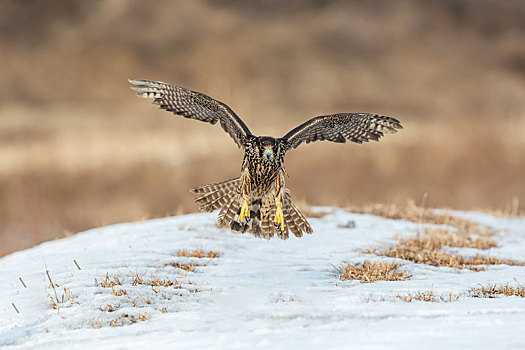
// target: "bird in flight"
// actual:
[[257, 201]]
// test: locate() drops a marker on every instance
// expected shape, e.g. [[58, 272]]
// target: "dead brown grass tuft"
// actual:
[[126, 319], [427, 296], [438, 238], [493, 291], [185, 267], [109, 308], [137, 278], [198, 253], [107, 282], [118, 292], [369, 272], [96, 324], [158, 282], [56, 300], [427, 250]]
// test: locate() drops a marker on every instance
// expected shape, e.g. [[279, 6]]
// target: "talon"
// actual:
[[279, 216], [245, 211]]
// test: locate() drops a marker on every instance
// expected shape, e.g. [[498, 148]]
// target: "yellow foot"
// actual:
[[245, 211], [279, 216]]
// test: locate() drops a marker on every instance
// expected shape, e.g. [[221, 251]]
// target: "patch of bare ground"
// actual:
[[198, 253], [368, 272], [427, 296], [493, 291]]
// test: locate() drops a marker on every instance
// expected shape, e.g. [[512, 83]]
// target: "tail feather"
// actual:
[[215, 196], [289, 218], [226, 197], [267, 224], [288, 223], [301, 220], [223, 185], [214, 200], [294, 218], [228, 212]]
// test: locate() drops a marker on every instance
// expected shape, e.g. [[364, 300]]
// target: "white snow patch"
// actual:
[[258, 293]]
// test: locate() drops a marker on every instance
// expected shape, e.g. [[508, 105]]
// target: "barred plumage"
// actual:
[[258, 201]]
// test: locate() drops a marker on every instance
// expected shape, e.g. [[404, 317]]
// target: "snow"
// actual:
[[258, 293]]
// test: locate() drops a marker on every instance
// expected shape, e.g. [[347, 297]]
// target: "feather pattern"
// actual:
[[215, 196], [193, 105], [355, 127]]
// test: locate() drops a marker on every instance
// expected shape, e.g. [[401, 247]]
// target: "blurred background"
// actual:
[[78, 149]]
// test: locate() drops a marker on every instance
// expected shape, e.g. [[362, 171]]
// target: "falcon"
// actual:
[[257, 201]]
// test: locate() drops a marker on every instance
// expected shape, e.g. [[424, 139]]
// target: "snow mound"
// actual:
[[137, 285]]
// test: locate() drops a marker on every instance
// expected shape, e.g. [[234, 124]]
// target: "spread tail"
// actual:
[[217, 195], [294, 219], [226, 197]]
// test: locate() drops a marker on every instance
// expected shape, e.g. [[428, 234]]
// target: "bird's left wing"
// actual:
[[193, 105], [356, 127]]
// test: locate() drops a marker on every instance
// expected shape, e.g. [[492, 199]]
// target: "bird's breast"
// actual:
[[261, 177]]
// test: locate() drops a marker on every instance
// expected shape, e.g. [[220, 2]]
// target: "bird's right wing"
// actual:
[[193, 105], [355, 127]]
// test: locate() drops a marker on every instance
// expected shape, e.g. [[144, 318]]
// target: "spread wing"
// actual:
[[193, 105], [356, 127]]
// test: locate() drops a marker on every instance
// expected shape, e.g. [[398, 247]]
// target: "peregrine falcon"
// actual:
[[257, 201]]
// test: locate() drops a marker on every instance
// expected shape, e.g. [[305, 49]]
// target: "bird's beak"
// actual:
[[268, 153]]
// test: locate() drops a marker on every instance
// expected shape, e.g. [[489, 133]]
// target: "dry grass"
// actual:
[[185, 267], [427, 296], [493, 291], [126, 319], [132, 297], [118, 292], [198, 253], [137, 278], [154, 281], [109, 308], [158, 282], [427, 250], [96, 324], [422, 215], [57, 301], [58, 298], [107, 282], [438, 238], [369, 272]]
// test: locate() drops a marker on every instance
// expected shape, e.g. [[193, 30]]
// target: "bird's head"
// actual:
[[269, 149]]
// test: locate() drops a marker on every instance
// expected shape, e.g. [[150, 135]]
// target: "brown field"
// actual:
[[79, 150]]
